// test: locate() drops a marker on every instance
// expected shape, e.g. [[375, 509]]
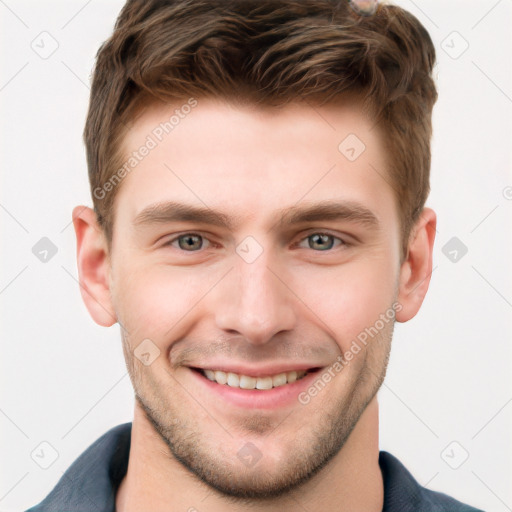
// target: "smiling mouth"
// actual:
[[239, 381]]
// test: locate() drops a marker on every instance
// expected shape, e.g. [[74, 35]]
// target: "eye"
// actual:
[[192, 242], [322, 241], [188, 242]]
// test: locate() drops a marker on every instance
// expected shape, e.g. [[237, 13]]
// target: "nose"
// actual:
[[255, 302]]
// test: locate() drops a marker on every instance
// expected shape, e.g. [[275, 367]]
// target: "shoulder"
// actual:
[[93, 478], [403, 493]]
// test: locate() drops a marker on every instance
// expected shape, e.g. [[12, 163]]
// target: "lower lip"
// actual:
[[274, 398]]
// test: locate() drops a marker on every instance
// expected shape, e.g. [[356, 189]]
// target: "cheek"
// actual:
[[150, 301], [350, 298]]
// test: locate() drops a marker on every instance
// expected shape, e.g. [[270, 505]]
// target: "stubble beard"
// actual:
[[307, 454]]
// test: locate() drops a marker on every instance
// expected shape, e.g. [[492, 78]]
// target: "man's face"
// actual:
[[259, 295]]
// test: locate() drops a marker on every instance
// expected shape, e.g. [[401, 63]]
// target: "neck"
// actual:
[[156, 481]]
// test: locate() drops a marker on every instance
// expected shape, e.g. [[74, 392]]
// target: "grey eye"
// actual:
[[190, 242], [321, 241]]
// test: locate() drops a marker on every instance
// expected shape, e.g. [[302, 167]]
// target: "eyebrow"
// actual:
[[172, 211]]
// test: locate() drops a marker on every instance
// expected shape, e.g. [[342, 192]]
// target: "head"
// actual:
[[301, 130]]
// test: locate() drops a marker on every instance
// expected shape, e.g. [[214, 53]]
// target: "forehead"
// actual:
[[250, 161]]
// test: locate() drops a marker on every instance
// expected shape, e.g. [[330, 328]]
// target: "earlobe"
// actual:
[[93, 266], [416, 270]]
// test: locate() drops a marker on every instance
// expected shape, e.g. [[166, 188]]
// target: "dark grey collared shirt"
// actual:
[[91, 482]]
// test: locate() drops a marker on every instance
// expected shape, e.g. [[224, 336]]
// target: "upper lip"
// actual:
[[256, 371]]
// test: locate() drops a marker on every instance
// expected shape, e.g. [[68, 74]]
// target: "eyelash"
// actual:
[[343, 243]]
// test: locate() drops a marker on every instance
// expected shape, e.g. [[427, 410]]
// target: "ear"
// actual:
[[93, 266], [416, 269]]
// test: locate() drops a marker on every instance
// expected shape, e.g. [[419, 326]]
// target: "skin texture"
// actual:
[[303, 300]]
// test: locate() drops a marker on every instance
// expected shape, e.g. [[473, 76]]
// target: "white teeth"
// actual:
[[279, 380], [247, 382], [264, 383], [235, 380], [221, 377]]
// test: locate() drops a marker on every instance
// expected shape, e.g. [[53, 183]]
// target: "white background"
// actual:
[[63, 378]]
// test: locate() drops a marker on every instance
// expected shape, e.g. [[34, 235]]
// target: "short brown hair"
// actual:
[[268, 52]]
